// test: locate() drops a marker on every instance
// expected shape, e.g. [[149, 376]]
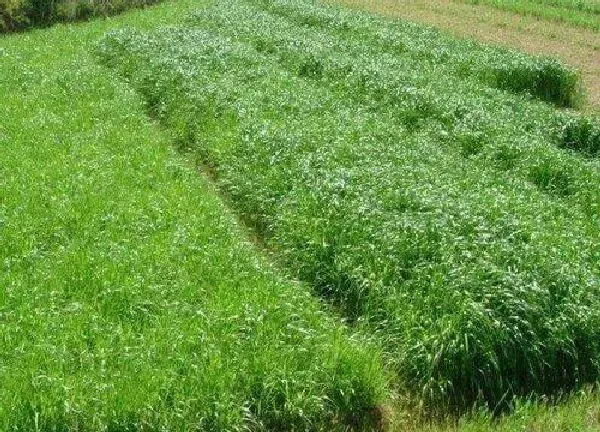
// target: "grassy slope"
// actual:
[[129, 297], [574, 12]]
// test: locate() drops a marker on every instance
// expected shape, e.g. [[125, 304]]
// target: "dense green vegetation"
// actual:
[[20, 14], [130, 298], [582, 13], [388, 165]]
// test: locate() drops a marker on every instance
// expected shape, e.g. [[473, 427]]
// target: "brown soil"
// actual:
[[578, 47]]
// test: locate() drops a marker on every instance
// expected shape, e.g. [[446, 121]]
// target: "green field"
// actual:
[[579, 13], [277, 215], [130, 296], [441, 214]]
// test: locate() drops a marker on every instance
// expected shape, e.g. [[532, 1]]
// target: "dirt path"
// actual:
[[578, 47]]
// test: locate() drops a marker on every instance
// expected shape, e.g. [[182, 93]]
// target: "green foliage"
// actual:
[[581, 413], [581, 134], [130, 297], [20, 14], [543, 78], [552, 177], [40, 12], [547, 80], [12, 15], [382, 165]]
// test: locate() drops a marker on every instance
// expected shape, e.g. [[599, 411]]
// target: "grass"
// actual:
[[382, 165], [393, 177], [580, 414], [583, 135], [543, 78], [575, 46], [580, 13], [130, 296]]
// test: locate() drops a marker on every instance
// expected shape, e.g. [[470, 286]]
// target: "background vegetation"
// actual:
[[581, 13], [20, 14]]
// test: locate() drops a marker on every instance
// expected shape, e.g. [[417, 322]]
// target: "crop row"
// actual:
[[544, 78], [435, 211], [130, 299], [422, 76]]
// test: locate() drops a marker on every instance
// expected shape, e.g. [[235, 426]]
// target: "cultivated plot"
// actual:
[[428, 187]]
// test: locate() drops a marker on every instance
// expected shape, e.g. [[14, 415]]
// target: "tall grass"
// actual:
[[130, 296], [543, 78], [21, 14], [581, 134], [437, 212]]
